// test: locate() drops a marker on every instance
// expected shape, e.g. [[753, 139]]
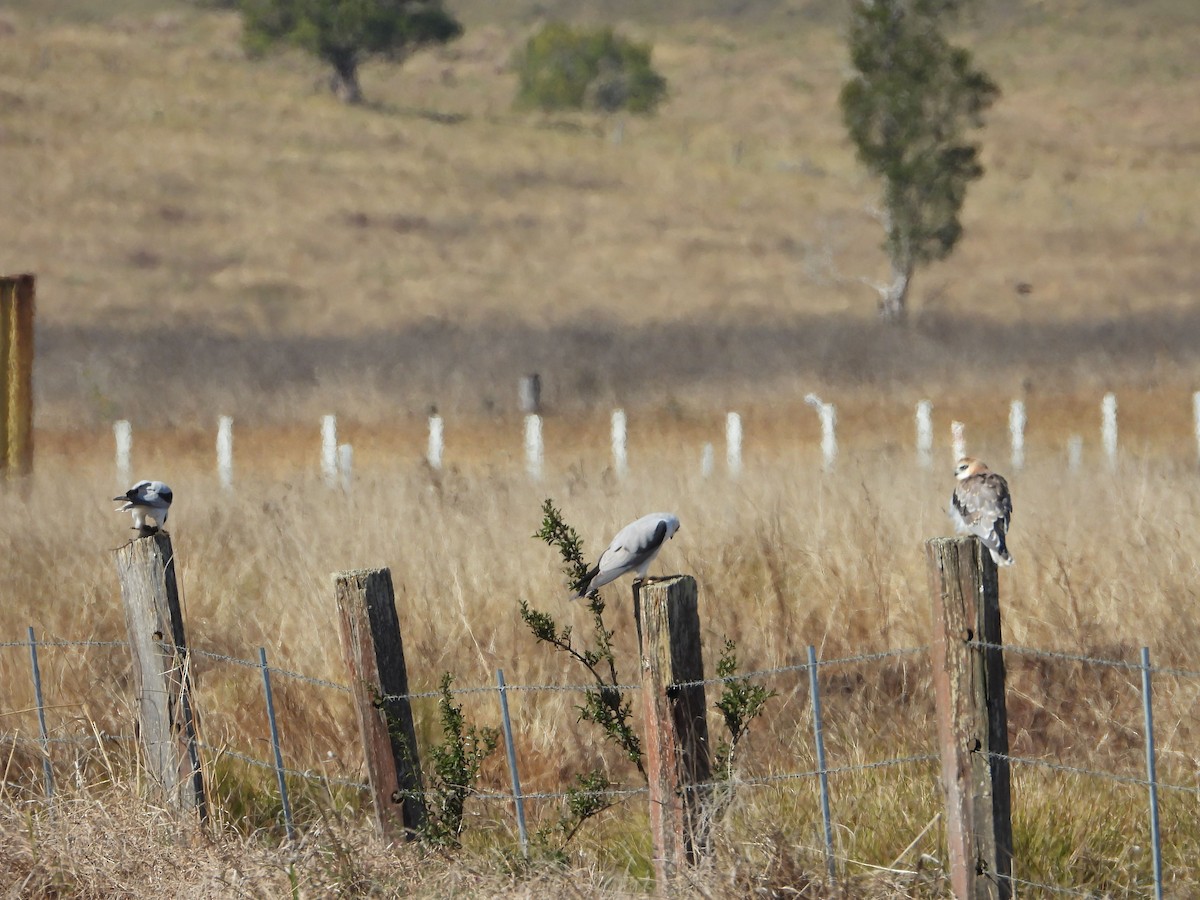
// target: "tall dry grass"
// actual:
[[785, 558]]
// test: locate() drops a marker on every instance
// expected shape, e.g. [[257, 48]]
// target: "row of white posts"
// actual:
[[337, 460]]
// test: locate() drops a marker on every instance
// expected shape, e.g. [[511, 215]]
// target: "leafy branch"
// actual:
[[456, 764], [558, 534], [603, 705], [586, 798], [740, 704]]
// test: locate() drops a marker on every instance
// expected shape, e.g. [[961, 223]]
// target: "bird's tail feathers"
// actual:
[[998, 548], [586, 587]]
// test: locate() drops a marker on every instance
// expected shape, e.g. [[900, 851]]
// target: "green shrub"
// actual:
[[562, 67]]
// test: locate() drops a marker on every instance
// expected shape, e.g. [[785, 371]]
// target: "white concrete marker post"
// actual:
[[533, 446], [123, 434], [829, 447], [828, 415], [1108, 428], [329, 450], [958, 440], [620, 459], [436, 444], [225, 451], [925, 434], [707, 461], [1016, 432], [733, 444]]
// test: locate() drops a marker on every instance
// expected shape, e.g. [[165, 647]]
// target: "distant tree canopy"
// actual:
[[345, 32], [908, 107], [562, 67]]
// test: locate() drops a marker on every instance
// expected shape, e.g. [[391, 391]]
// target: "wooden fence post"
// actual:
[[16, 374], [676, 744], [374, 654], [529, 394], [161, 670], [972, 718]]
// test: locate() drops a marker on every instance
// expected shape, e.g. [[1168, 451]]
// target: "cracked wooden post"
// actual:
[[16, 375], [676, 744], [374, 655], [972, 718], [161, 671]]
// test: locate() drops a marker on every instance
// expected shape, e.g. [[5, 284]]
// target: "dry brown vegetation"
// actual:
[[215, 237]]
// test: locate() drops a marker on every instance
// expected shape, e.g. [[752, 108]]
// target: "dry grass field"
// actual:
[[215, 236]]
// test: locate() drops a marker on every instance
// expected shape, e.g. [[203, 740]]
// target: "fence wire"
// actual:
[[1169, 671], [1093, 773], [465, 691], [621, 793]]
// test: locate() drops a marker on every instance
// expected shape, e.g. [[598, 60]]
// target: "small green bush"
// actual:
[[562, 67]]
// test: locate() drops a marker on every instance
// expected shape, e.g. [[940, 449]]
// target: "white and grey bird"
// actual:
[[633, 549], [147, 500], [982, 506]]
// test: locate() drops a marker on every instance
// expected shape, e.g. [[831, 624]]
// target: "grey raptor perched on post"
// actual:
[[146, 500], [982, 506], [633, 549]]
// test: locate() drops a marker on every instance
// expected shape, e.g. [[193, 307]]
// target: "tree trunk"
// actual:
[[344, 80], [893, 299]]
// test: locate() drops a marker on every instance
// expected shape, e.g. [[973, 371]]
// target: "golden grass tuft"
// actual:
[[784, 558]]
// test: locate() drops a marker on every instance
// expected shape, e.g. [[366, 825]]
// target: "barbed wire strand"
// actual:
[[66, 644], [251, 664], [571, 688], [1093, 773], [307, 775], [1082, 658], [1074, 892], [1172, 671], [754, 781]]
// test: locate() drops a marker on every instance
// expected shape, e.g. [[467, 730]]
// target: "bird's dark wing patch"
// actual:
[[1004, 495], [960, 507], [660, 535], [584, 586], [165, 494]]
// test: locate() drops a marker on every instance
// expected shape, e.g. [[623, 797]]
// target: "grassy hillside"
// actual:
[[172, 195]]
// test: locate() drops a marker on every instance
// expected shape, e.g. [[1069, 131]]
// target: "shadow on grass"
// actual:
[[169, 372]]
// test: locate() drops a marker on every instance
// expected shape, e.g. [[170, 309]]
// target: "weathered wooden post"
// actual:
[[16, 373], [529, 394], [161, 671], [676, 745], [972, 719], [374, 654]]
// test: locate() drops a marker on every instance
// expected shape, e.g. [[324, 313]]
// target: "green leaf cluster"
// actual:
[[603, 705], [566, 540], [908, 109], [344, 32], [586, 799], [456, 763], [562, 67], [740, 703]]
